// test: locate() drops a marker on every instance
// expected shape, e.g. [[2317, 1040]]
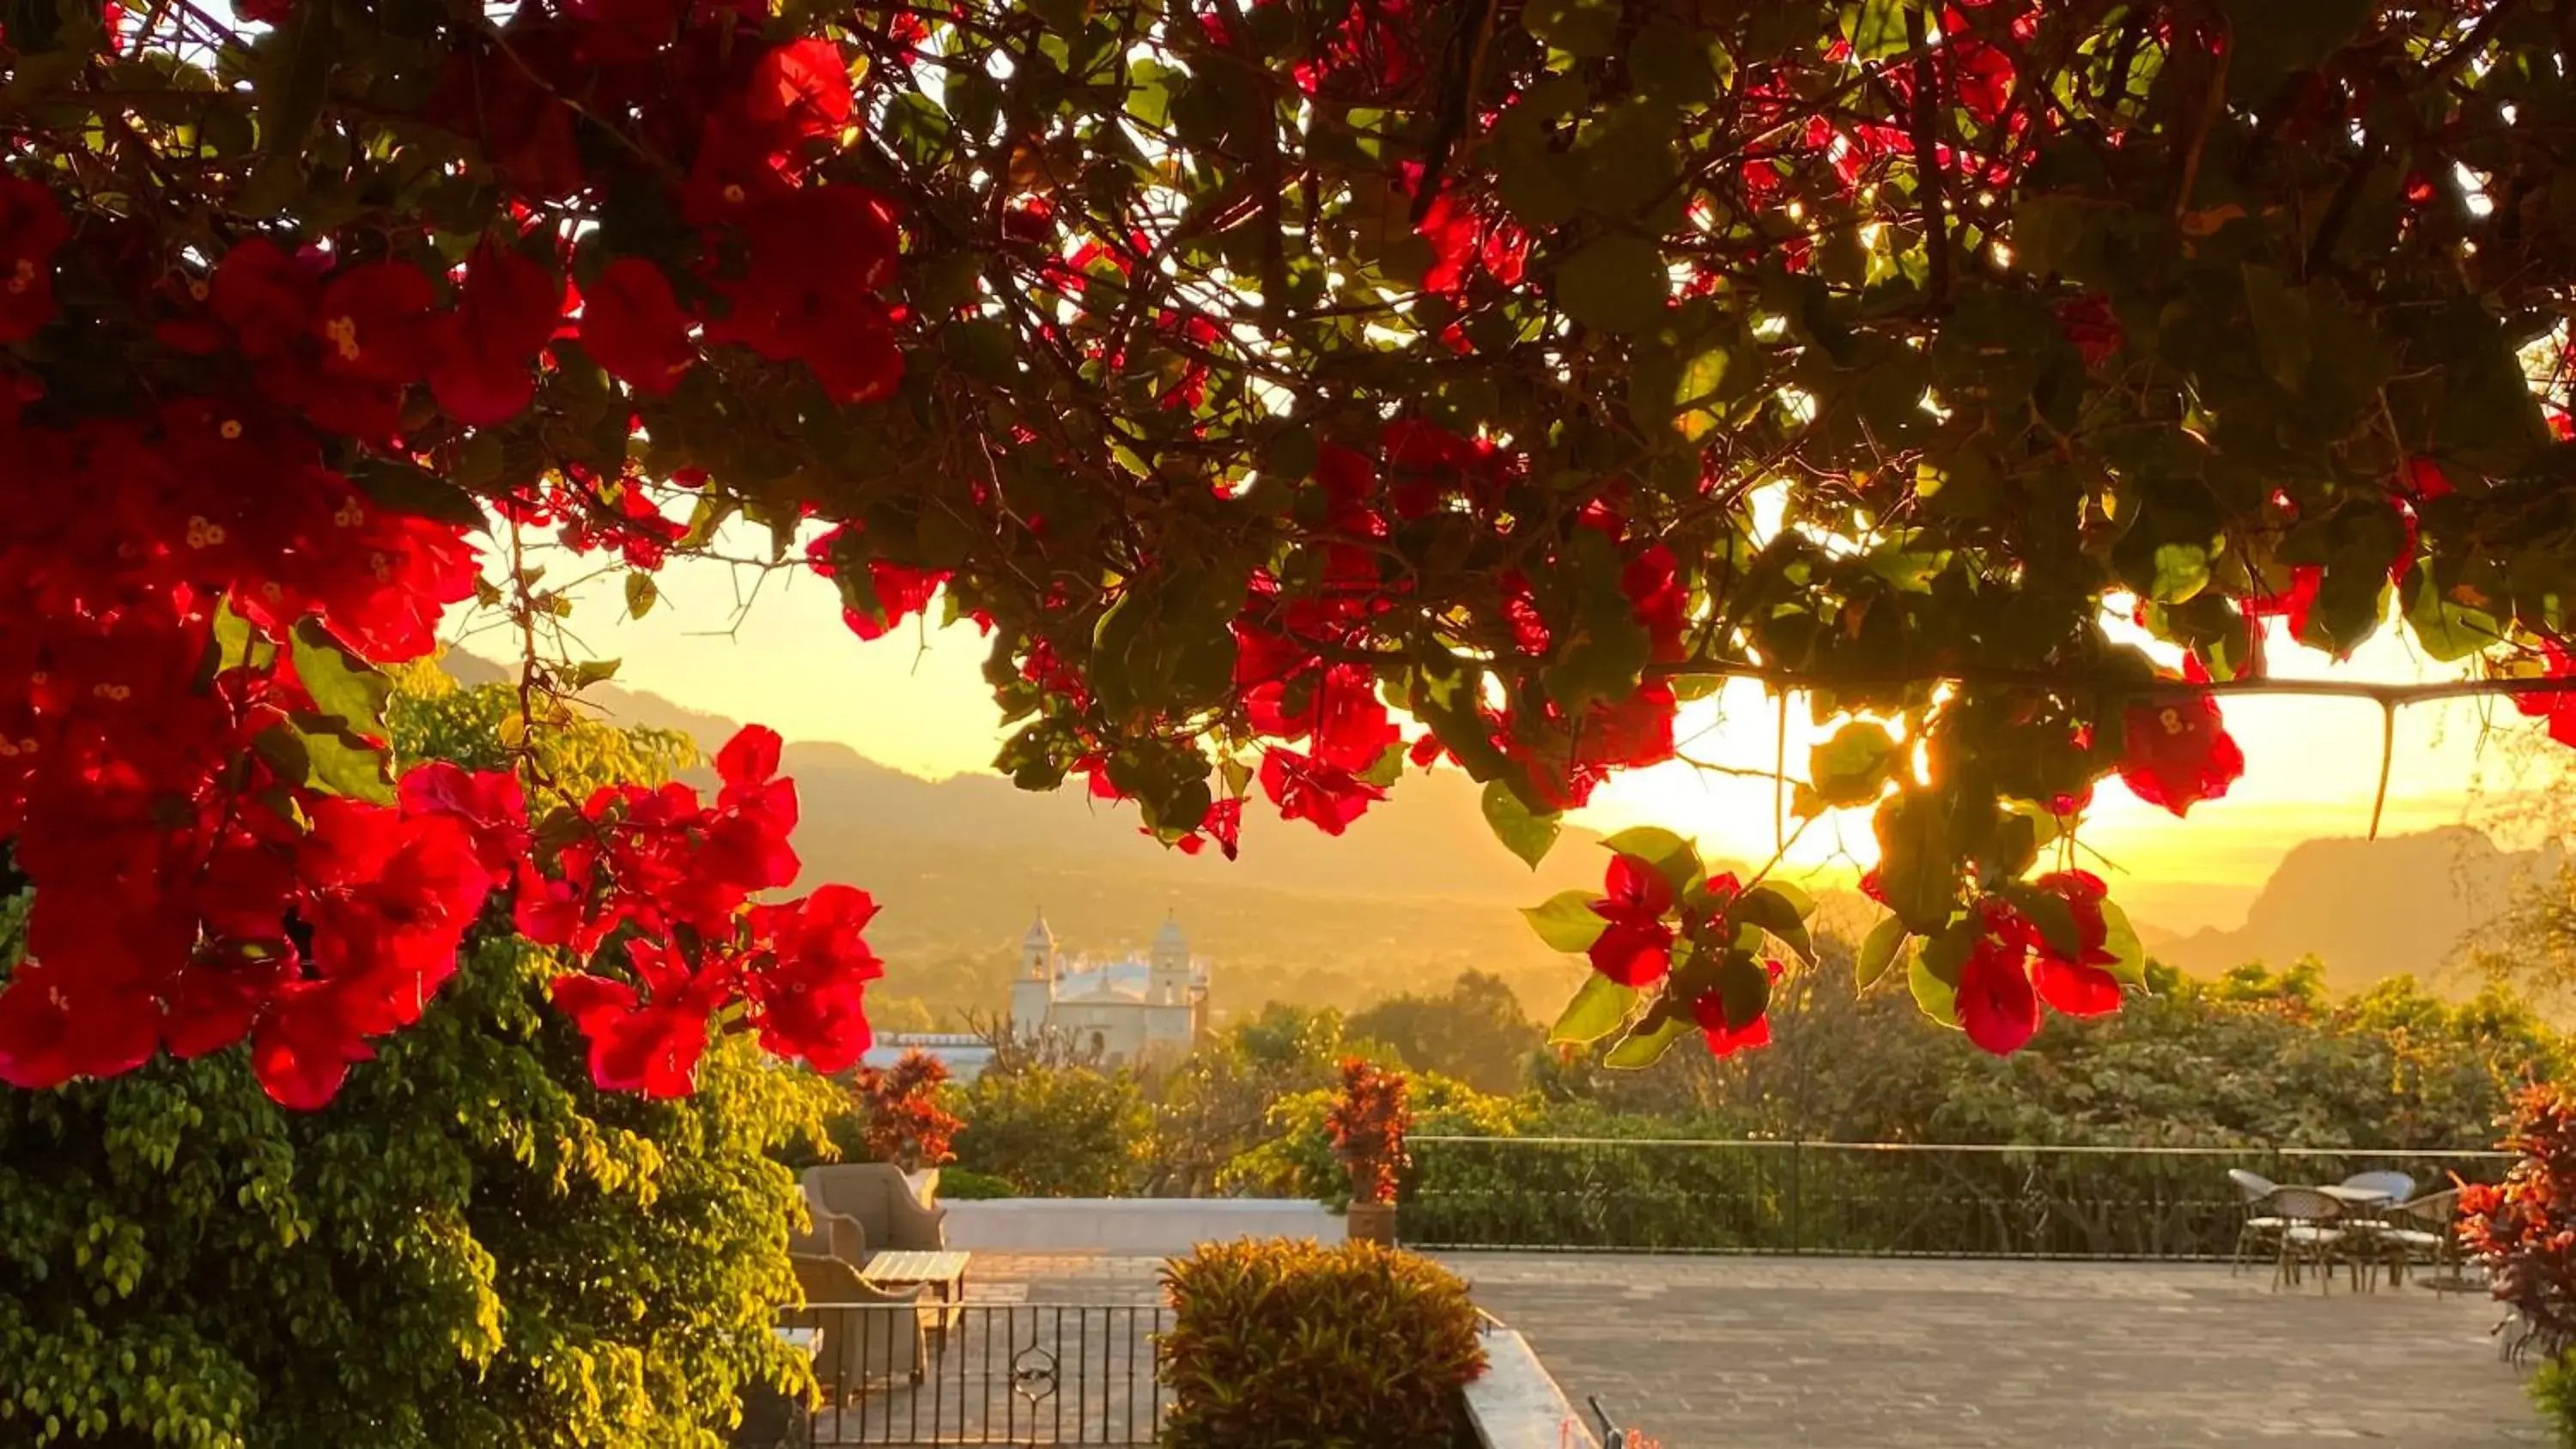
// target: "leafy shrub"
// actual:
[[1054, 1131], [2553, 1390], [960, 1184], [2525, 1229], [469, 1248], [1281, 1344], [1295, 1157], [1367, 1125], [900, 1107]]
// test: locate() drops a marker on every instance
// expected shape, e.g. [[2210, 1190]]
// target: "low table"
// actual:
[[945, 1273]]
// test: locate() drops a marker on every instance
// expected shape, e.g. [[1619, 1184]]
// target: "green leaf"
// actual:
[[1933, 974], [295, 62], [1916, 871], [1585, 28], [593, 671], [1616, 284], [1854, 766], [1534, 182], [1565, 921], [1778, 917], [2449, 631], [2050, 914], [310, 750], [1675, 859], [1878, 952], [2283, 330], [1523, 832], [641, 594], [237, 640], [1743, 990], [1645, 1048], [2182, 571], [2121, 940], [1875, 28], [341, 684], [1597, 1010], [408, 488], [1695, 396]]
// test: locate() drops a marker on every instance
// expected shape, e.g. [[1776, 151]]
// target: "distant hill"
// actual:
[[1417, 890], [1413, 893], [2368, 909]]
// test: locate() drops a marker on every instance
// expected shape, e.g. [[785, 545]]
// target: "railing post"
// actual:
[[1797, 1209]]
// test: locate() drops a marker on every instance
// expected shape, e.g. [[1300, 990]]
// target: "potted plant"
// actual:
[[905, 1122], [1368, 1124]]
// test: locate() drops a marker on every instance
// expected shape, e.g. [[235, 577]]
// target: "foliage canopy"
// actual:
[[1249, 368]]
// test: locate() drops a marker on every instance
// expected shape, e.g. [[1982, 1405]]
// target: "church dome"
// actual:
[[1169, 938]]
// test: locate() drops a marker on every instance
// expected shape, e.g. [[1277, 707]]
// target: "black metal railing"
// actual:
[[1684, 1195], [982, 1373]]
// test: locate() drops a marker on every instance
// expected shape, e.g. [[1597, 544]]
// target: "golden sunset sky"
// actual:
[[916, 701]]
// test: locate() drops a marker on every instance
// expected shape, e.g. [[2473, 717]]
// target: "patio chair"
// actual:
[[2397, 1185], [2312, 1231], [830, 1235], [2251, 1189], [874, 1196], [2419, 1231], [870, 1336]]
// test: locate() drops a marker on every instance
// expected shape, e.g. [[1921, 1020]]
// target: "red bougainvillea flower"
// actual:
[[2178, 752], [2089, 323], [1997, 1005], [1635, 946], [491, 806], [1222, 824], [633, 326], [809, 1002], [31, 229], [2077, 987], [650, 1041], [378, 323], [1709, 1010], [816, 256], [799, 89], [1652, 582], [1306, 789], [504, 313]]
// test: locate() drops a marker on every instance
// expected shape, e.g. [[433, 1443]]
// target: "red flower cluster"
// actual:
[[1639, 908], [674, 879], [2013, 968], [2177, 751]]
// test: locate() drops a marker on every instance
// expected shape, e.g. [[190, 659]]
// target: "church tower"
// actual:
[[1168, 982], [1033, 990]]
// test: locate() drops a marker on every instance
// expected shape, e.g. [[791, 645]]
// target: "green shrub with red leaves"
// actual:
[[1367, 1125], [1280, 1344], [2525, 1229]]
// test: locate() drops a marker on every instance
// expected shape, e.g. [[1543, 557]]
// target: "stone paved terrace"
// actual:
[[1847, 1353]]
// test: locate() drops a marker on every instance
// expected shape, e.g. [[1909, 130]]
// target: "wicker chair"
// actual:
[[2312, 1231], [2419, 1231], [869, 1336], [2252, 1188], [881, 1206]]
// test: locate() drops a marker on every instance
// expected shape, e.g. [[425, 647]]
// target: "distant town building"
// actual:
[[965, 1054], [1122, 1010]]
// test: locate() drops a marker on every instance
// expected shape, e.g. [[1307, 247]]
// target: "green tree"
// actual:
[[1054, 1131], [469, 1248], [1475, 1032]]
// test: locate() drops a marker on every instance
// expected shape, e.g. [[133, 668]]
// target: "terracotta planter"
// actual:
[[1373, 1222]]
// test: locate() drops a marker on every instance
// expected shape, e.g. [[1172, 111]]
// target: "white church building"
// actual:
[[1120, 1010]]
